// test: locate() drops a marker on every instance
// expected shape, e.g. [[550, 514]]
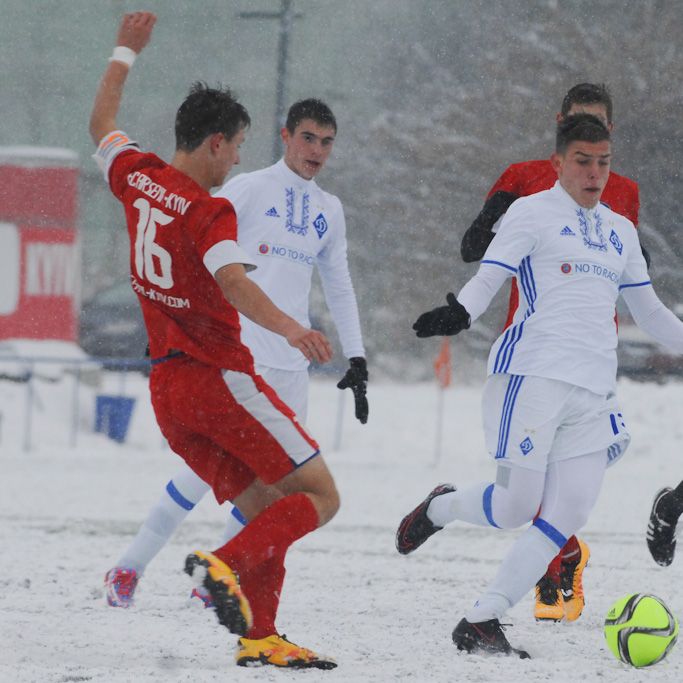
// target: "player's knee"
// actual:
[[570, 520], [510, 511]]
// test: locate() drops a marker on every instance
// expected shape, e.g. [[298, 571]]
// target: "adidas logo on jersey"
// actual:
[[567, 231], [273, 212]]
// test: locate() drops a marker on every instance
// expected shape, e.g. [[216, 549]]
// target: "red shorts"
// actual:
[[229, 426]]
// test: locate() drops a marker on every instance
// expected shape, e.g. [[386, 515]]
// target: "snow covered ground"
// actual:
[[67, 511]]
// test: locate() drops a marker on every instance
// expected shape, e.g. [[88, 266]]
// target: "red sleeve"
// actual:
[[508, 182], [634, 204], [120, 168], [216, 222], [621, 195]]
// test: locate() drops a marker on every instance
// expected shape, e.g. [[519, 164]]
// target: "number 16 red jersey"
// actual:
[[179, 237]]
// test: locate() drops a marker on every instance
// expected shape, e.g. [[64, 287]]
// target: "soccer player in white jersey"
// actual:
[[289, 226], [550, 415]]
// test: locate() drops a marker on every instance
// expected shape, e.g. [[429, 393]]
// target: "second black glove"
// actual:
[[356, 379], [444, 320]]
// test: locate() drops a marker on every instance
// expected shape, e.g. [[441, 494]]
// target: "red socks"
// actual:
[[262, 585], [257, 555], [270, 534]]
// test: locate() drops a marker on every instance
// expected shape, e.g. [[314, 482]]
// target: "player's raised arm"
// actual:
[[134, 33]]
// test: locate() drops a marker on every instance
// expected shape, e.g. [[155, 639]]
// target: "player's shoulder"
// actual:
[[531, 202], [245, 182], [134, 159], [205, 208], [328, 198], [525, 177], [616, 222], [616, 219]]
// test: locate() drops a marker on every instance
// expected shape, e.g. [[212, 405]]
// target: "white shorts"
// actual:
[[532, 421], [290, 385]]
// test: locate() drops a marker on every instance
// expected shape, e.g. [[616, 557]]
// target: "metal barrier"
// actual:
[[119, 365], [122, 366]]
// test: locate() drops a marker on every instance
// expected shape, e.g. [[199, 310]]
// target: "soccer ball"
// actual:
[[640, 629]]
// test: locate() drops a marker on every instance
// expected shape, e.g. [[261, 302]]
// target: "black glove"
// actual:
[[646, 256], [356, 379], [444, 320]]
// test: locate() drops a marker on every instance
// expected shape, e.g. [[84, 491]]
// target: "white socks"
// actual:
[[165, 517], [521, 568], [466, 505], [162, 521]]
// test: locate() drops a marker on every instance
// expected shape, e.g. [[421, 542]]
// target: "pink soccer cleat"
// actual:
[[120, 584]]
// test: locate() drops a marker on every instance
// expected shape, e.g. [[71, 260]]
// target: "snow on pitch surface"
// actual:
[[67, 512]]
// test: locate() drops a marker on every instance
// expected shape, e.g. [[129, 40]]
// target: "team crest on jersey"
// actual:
[[526, 446], [616, 242], [591, 229], [320, 225], [273, 212], [300, 228], [567, 232]]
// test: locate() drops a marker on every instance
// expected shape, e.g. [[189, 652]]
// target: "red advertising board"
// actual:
[[39, 248]]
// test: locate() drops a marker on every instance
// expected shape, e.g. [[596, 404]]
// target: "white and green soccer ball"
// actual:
[[640, 629]]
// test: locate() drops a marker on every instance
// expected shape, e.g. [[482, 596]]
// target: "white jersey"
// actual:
[[288, 226], [571, 264]]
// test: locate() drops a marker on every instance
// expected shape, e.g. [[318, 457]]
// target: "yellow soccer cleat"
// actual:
[[230, 604], [278, 651], [571, 584], [549, 605]]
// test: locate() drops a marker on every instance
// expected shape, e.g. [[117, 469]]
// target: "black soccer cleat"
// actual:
[[485, 637], [415, 528], [661, 530]]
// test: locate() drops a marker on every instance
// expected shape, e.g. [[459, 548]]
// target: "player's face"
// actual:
[[308, 147], [227, 156], [583, 170]]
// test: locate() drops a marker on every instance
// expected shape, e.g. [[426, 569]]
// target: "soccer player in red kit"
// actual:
[[559, 593], [224, 420]]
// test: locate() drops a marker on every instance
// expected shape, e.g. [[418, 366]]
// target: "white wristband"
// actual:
[[124, 55]]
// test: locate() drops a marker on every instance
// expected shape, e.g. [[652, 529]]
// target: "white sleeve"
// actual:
[[226, 253], [477, 294], [333, 267], [653, 317], [111, 145], [635, 273], [514, 240]]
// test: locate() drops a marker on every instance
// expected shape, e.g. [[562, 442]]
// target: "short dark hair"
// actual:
[[313, 109], [579, 127], [206, 111], [588, 93]]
